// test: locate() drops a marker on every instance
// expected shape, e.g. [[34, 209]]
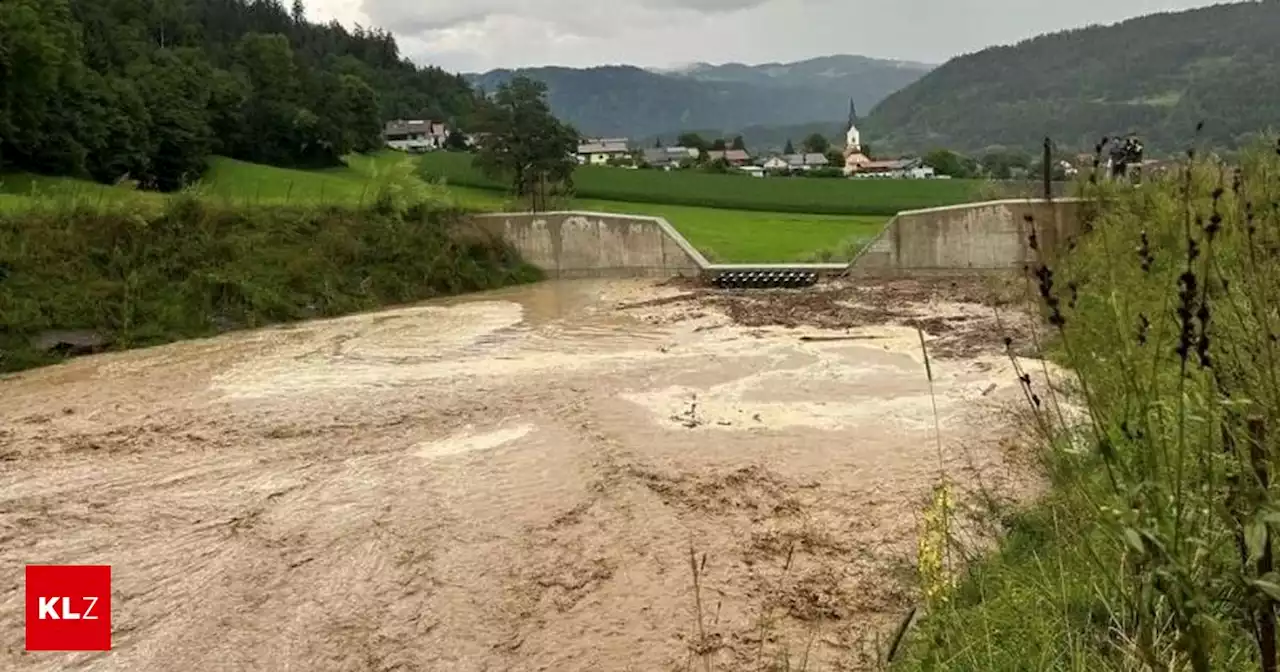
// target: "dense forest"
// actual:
[[619, 100], [1156, 75], [147, 90]]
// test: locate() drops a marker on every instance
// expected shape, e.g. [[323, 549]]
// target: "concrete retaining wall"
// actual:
[[596, 244], [974, 236]]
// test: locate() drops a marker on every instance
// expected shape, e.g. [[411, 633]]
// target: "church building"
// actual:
[[854, 158]]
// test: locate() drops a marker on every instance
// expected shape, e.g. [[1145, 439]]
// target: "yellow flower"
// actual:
[[936, 579]]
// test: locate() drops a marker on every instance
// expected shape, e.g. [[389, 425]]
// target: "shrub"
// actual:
[[193, 270]]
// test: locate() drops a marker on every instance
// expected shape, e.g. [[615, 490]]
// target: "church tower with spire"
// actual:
[[853, 156], [853, 138]]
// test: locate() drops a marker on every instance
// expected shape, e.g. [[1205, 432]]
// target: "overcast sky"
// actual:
[[477, 35]]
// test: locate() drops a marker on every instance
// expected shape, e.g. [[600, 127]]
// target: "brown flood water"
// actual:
[[504, 481]]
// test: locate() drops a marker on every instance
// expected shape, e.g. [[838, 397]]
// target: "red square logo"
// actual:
[[68, 608]]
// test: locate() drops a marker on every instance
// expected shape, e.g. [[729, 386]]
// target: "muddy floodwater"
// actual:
[[505, 481]]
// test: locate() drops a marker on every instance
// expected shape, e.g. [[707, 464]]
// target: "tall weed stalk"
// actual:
[[1155, 548]]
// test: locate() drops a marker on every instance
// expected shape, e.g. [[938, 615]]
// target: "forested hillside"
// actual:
[[1156, 75], [148, 89], [867, 80], [630, 101]]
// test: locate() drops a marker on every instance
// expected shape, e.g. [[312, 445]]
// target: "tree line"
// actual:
[[148, 90]]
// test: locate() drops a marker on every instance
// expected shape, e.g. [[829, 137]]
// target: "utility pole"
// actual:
[[1048, 169]]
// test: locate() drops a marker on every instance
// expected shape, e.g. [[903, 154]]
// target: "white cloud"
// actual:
[[471, 35], [349, 13], [587, 17]]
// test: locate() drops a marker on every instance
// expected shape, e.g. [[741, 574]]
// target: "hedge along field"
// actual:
[[825, 196], [191, 269]]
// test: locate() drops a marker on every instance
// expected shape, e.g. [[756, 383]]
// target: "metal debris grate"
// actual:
[[762, 278]]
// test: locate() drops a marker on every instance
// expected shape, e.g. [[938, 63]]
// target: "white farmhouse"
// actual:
[[911, 169], [598, 151], [415, 135]]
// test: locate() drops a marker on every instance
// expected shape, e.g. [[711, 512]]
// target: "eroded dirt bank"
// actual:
[[510, 481]]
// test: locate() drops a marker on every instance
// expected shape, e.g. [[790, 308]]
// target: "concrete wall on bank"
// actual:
[[975, 236], [595, 244], [992, 235]]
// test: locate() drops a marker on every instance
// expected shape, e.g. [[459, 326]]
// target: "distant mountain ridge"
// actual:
[[821, 72], [621, 100], [1157, 75]]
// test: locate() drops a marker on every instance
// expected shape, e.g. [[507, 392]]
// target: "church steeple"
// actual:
[[854, 159], [852, 138]]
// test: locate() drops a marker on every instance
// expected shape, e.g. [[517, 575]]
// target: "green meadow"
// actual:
[[728, 235], [722, 235], [744, 236], [828, 196]]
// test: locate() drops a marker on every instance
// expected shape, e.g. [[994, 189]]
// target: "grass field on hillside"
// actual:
[[725, 235], [362, 179], [230, 182], [803, 195], [21, 191]]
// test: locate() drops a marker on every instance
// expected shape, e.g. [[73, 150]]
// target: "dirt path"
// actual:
[[506, 482]]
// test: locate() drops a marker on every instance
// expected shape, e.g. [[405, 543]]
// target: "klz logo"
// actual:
[[49, 605], [68, 608]]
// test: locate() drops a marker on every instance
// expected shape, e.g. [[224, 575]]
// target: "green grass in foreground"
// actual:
[[1155, 547], [830, 196]]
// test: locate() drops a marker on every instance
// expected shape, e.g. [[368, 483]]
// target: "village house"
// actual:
[[598, 151], [855, 161], [895, 169], [795, 163], [733, 157], [667, 158], [415, 135], [775, 164], [806, 162]]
